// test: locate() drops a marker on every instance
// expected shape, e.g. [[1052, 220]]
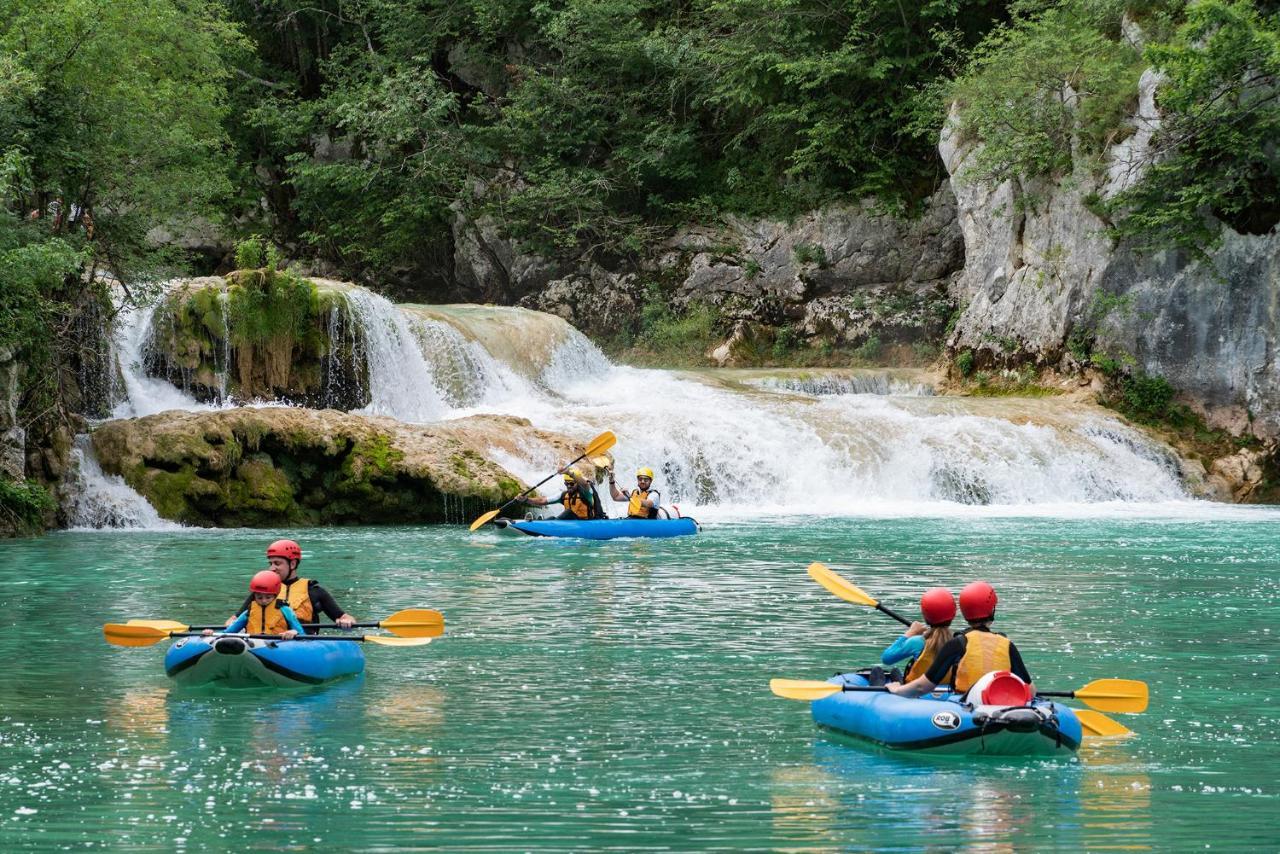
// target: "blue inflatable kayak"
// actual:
[[946, 724], [237, 661], [603, 529]]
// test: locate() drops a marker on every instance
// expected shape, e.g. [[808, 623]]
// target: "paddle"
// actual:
[[409, 623], [1097, 724], [1111, 695], [598, 445], [121, 634], [848, 592], [1108, 695]]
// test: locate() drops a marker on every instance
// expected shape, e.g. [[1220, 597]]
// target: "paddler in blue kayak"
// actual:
[[265, 612], [642, 502], [579, 498], [305, 597], [922, 641], [973, 653]]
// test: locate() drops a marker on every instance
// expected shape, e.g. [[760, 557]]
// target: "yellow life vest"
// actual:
[[574, 502], [920, 666], [266, 619], [635, 509], [297, 594], [984, 652]]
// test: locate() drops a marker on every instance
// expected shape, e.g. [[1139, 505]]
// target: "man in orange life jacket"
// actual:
[[972, 654], [642, 502], [305, 597], [579, 498]]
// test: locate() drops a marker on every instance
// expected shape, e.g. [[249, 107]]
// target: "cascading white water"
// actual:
[[141, 394], [99, 500], [402, 383], [729, 443]]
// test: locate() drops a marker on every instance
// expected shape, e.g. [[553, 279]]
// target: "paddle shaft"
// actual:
[[266, 637], [901, 619], [539, 483], [304, 625]]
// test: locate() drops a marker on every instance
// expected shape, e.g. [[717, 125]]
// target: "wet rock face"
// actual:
[[1042, 282], [282, 466]]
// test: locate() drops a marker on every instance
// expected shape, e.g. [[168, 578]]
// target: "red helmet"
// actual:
[[938, 606], [266, 581], [286, 549], [978, 601]]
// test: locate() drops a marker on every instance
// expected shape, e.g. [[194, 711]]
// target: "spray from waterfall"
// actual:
[[98, 500]]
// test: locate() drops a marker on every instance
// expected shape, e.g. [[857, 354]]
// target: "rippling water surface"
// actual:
[[614, 695]]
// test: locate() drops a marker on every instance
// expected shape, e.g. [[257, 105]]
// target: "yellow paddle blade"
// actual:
[[601, 462], [163, 625], [837, 585], [382, 640], [1114, 695], [600, 444], [488, 517], [802, 689], [415, 623], [124, 635], [1098, 725]]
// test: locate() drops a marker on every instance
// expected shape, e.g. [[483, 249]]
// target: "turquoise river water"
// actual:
[[614, 695]]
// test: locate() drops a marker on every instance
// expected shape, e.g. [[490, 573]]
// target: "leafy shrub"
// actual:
[[869, 350], [785, 340], [964, 363], [1147, 397], [23, 504], [810, 253]]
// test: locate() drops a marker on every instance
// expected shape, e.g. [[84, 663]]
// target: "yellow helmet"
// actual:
[[645, 471], [572, 475]]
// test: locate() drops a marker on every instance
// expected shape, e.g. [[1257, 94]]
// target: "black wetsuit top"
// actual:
[[953, 650]]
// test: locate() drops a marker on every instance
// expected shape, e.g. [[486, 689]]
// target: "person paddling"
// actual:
[[642, 502], [305, 597], [922, 641], [972, 654], [579, 498], [265, 614]]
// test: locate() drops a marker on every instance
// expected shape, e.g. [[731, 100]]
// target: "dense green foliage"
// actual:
[[1049, 93], [23, 505]]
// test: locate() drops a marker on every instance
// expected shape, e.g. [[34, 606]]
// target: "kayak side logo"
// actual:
[[946, 720]]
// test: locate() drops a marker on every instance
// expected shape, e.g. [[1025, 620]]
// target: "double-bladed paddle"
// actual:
[[1093, 723], [1113, 695], [599, 445], [408, 623], [123, 634]]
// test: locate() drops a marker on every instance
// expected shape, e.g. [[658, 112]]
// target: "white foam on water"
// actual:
[[142, 395], [101, 501]]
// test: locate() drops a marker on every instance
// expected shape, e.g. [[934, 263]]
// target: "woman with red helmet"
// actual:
[[305, 597], [973, 653], [922, 640], [265, 613]]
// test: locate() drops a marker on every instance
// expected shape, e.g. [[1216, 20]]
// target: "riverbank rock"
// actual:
[[277, 466], [1042, 283]]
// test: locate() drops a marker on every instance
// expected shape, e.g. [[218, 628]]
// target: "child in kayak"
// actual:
[[265, 612], [305, 596], [973, 653], [921, 642]]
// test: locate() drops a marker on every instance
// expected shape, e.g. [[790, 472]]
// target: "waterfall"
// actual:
[[99, 500], [727, 442], [142, 394]]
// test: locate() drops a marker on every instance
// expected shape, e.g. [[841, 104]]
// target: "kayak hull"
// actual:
[[944, 725], [605, 529], [231, 661]]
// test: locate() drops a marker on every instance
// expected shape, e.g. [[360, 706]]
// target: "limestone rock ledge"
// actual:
[[277, 466]]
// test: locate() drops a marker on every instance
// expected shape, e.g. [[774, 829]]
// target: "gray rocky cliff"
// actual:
[[1043, 283]]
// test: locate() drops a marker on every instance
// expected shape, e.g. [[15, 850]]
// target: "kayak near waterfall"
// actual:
[[603, 529]]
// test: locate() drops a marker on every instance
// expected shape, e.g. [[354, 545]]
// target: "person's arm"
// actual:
[[653, 500], [243, 609], [950, 653], [905, 647], [1017, 668], [540, 501], [615, 493], [295, 627], [235, 624], [322, 601]]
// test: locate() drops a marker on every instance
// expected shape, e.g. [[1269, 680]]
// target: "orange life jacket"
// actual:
[[297, 594], [267, 620], [637, 510], [984, 652], [576, 504], [920, 666]]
